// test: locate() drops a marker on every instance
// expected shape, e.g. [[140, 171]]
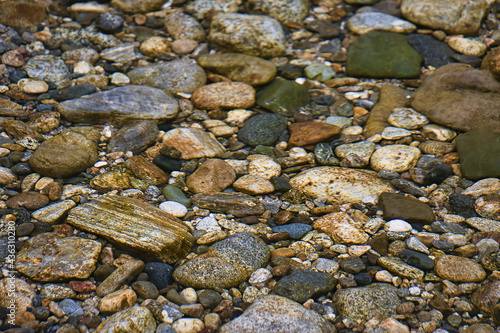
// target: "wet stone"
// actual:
[[352, 265], [399, 267], [145, 170], [135, 319], [262, 129], [458, 269], [396, 206], [295, 230], [173, 193], [72, 92], [476, 160], [225, 95], [417, 259], [29, 200], [302, 285], [182, 26], [282, 97], [193, 143], [237, 204], [135, 138], [46, 68], [160, 274], [211, 177], [309, 133]]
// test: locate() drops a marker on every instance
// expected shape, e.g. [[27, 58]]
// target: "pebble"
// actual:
[[262, 129], [188, 325], [145, 289], [119, 277], [364, 22], [467, 46], [193, 143], [211, 177], [458, 269], [175, 208], [407, 118], [397, 158], [160, 274], [117, 301], [225, 95], [32, 86], [137, 319]]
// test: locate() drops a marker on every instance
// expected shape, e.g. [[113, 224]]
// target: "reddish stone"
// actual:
[[309, 133], [29, 200], [82, 286], [495, 235]]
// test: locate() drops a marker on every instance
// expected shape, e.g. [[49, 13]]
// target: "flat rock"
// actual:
[[278, 314], [455, 18], [253, 185], [365, 22], [246, 33], [182, 26], [10, 109], [459, 269], [136, 225], [397, 158], [66, 154], [22, 14], [342, 228], [226, 264], [302, 285], [48, 257], [193, 143], [436, 53], [123, 274], [397, 206], [135, 137], [136, 319], [285, 11], [238, 204], [146, 170], [262, 129], [340, 185], [46, 68], [362, 303], [53, 213], [117, 301], [213, 176], [486, 296], [121, 104], [283, 97], [479, 152], [133, 7], [202, 8], [239, 67], [224, 95], [400, 268], [23, 297], [30, 200], [460, 97], [176, 76], [309, 133], [381, 54]]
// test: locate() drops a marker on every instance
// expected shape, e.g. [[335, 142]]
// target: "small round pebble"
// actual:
[[173, 207]]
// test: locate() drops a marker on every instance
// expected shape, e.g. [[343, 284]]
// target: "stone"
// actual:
[[319, 72], [436, 147], [459, 17], [285, 11], [486, 296], [397, 158], [117, 301], [417, 259], [22, 14], [72, 92], [213, 176], [263, 166], [282, 97], [117, 178], [183, 26], [53, 213], [135, 319], [49, 258], [488, 207], [13, 58], [435, 52], [365, 22], [109, 22], [122, 53], [391, 97], [302, 285], [340, 185], [246, 34], [193, 143], [224, 95], [123, 274], [30, 86], [188, 325], [397, 206], [176, 76], [309, 133], [30, 200], [136, 225], [155, 46], [226, 264], [159, 273], [253, 185], [120, 105], [278, 314], [7, 176], [209, 298], [459, 269], [380, 54], [262, 129], [133, 7], [46, 68], [362, 150], [342, 228], [204, 8], [24, 294], [483, 187], [399, 267], [459, 97], [239, 67], [467, 46], [10, 109], [175, 208], [171, 192], [479, 152], [135, 137], [362, 303], [407, 118], [295, 230], [145, 170]]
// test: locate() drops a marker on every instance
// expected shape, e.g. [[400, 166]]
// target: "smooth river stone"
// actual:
[[340, 185], [238, 204], [135, 137], [48, 258], [136, 225], [137, 319], [342, 228], [121, 104], [193, 143], [459, 269], [479, 153]]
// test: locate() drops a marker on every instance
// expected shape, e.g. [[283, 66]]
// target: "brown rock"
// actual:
[[10, 109], [226, 95], [29, 200], [342, 228], [13, 58], [22, 13], [213, 176], [82, 286], [117, 301], [193, 143], [486, 296], [309, 133], [238, 204], [20, 130], [24, 293], [491, 62], [253, 184], [144, 169], [460, 97], [458, 269]]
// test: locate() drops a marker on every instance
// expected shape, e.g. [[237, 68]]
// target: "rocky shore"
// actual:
[[249, 166]]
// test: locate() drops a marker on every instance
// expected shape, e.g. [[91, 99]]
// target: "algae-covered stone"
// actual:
[[238, 204], [382, 54], [262, 129], [136, 225], [479, 153], [283, 97]]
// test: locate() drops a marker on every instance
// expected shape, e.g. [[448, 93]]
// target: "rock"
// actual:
[[435, 52], [397, 206], [302, 285], [48, 257], [46, 68], [155, 46], [397, 158], [460, 97], [171, 192], [417, 259], [135, 137], [188, 325], [117, 301], [245, 68], [238, 204], [133, 7], [159, 273], [176, 76], [202, 8], [182, 26], [285, 11], [483, 187], [262, 129], [24, 294], [32, 86], [309, 133], [479, 152], [121, 104], [213, 176], [117, 178], [380, 54], [123, 274], [399, 267], [467, 46], [145, 289], [224, 95], [486, 296], [145, 170], [122, 53], [278, 314], [109, 22], [247, 33], [365, 22], [489, 207], [263, 166], [10, 109], [459, 269], [134, 224], [7, 176], [253, 185], [459, 17], [173, 207], [407, 118], [295, 230], [319, 72], [283, 97], [136, 319], [72, 92], [340, 185], [342, 228], [193, 143], [22, 14], [362, 303], [30, 200], [226, 264], [361, 150]]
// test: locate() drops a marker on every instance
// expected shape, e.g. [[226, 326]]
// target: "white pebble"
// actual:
[[415, 291], [190, 295], [173, 207], [398, 226]]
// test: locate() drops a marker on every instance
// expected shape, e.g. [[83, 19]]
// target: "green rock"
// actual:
[[319, 72], [173, 193], [283, 97], [302, 285], [397, 206], [262, 129], [381, 54], [479, 152]]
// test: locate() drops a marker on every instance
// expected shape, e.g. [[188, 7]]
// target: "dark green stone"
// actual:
[[283, 97], [479, 152], [166, 163], [281, 184], [397, 206], [173, 193], [382, 54], [417, 259], [262, 129], [302, 285]]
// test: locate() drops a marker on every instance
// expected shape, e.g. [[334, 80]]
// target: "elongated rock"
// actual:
[[134, 224], [238, 204], [121, 104]]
